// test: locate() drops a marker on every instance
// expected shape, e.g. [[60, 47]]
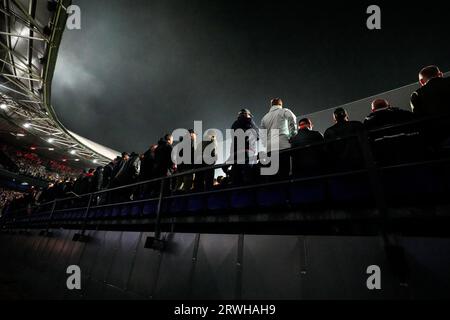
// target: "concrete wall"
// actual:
[[115, 265]]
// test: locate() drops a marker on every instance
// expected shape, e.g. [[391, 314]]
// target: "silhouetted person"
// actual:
[[130, 175], [164, 165], [147, 170], [383, 115], [186, 182], [433, 96], [392, 144], [310, 159], [87, 182], [306, 135], [119, 167], [346, 151], [432, 99], [204, 180], [283, 120], [246, 152], [97, 182], [117, 177], [148, 163], [107, 173]]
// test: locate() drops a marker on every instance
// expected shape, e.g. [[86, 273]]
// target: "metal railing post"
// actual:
[[50, 218], [81, 236], [156, 243], [158, 211], [374, 175]]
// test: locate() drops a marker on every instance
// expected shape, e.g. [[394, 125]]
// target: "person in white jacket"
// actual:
[[281, 126], [281, 119]]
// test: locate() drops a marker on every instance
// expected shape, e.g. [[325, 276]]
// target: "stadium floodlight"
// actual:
[[20, 135], [76, 160], [51, 149], [95, 161], [3, 106], [27, 125], [50, 140], [73, 151]]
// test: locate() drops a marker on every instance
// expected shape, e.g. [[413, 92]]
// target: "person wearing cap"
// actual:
[[345, 153], [243, 173]]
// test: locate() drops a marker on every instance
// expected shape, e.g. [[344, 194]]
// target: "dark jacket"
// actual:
[[117, 173], [307, 161], [107, 174], [147, 165], [306, 137], [187, 166], [387, 117], [97, 183], [251, 139], [433, 99], [344, 129], [130, 174], [163, 159], [345, 154]]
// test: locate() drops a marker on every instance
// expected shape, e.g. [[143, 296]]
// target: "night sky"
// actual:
[[138, 69]]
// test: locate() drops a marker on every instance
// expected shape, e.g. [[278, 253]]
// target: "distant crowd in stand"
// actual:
[[29, 164], [432, 99]]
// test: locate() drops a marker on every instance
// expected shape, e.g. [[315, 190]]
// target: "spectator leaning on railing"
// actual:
[[432, 99]]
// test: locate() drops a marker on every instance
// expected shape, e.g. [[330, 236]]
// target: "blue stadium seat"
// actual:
[[307, 193], [413, 184], [136, 210], [81, 214], [150, 208], [177, 205], [115, 211], [92, 213], [351, 189], [243, 199], [218, 201], [99, 213], [125, 210], [107, 212], [269, 197], [195, 203]]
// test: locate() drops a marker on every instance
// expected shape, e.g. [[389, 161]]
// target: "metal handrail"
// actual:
[[238, 188]]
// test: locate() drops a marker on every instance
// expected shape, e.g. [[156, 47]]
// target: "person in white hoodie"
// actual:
[[281, 126]]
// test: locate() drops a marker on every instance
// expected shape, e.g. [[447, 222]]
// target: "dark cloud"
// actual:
[[141, 68]]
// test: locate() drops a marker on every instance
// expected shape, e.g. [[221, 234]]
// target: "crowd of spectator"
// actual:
[[7, 195], [327, 151], [31, 165]]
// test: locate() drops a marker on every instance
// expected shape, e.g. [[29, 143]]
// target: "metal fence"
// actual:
[[370, 169]]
